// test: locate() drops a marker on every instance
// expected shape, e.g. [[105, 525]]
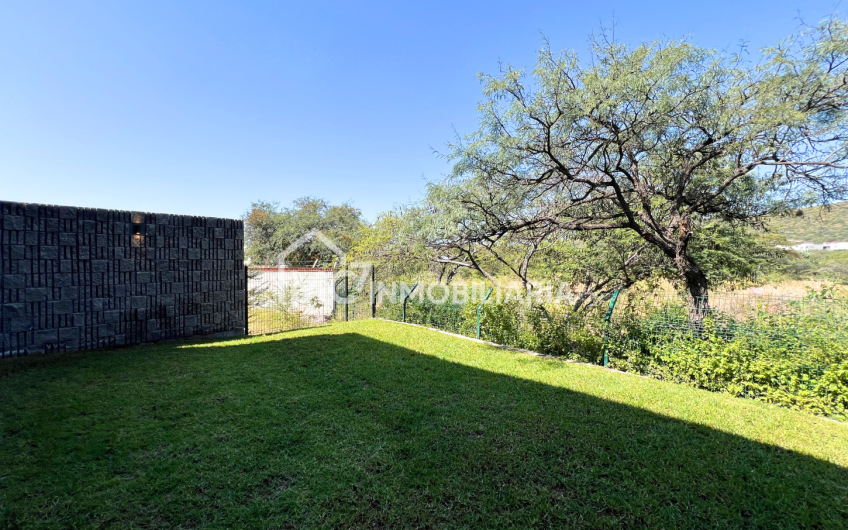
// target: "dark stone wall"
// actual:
[[80, 278]]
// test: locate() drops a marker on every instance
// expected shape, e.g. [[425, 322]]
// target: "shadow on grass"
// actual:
[[346, 430]]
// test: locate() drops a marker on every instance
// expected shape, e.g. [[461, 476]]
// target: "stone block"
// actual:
[[166, 299], [36, 294], [67, 212], [220, 296], [14, 310], [63, 307], [13, 222], [69, 334], [46, 336], [21, 324], [63, 279], [15, 281], [138, 302], [70, 293], [49, 253]]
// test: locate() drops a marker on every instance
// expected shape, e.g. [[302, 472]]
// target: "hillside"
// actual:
[[816, 225]]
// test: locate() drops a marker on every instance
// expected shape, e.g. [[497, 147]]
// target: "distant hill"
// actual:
[[816, 225]]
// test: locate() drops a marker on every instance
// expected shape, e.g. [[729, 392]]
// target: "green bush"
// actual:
[[792, 363]]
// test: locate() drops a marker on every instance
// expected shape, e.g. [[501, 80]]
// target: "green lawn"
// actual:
[[374, 424]]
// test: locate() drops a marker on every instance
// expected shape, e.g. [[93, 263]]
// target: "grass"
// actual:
[[374, 424], [816, 225]]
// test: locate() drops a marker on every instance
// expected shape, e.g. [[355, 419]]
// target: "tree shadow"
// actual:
[[346, 430]]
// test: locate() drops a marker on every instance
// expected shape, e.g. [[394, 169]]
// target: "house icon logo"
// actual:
[[305, 238]]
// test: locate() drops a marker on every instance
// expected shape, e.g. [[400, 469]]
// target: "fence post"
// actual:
[[407, 298], [606, 326], [373, 295], [246, 300], [347, 294], [480, 308]]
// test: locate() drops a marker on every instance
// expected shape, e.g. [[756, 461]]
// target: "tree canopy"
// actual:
[[659, 141], [269, 230]]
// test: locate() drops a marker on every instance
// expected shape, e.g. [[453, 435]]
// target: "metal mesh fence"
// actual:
[[305, 295], [733, 315], [786, 349], [783, 337]]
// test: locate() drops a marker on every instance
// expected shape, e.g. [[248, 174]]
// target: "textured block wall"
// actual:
[[79, 278]]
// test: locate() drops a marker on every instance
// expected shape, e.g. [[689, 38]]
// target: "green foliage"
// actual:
[[269, 230], [662, 139], [554, 328], [826, 265], [394, 244], [734, 253], [803, 371]]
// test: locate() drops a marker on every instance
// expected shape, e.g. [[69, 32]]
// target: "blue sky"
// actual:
[[203, 107]]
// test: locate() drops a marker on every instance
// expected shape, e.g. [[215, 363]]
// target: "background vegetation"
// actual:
[[814, 224]]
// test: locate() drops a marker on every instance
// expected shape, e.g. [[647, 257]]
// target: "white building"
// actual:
[[303, 290], [806, 246]]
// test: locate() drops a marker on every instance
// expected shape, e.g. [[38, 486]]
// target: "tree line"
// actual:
[[663, 159]]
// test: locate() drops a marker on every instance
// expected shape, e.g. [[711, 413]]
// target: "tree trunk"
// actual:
[[696, 285]]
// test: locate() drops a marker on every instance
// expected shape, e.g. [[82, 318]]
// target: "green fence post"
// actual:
[[407, 298], [347, 294], [606, 326], [480, 308]]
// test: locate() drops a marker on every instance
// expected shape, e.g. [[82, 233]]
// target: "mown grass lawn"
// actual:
[[375, 424]]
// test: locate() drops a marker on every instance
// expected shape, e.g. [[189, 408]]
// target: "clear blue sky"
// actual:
[[203, 107]]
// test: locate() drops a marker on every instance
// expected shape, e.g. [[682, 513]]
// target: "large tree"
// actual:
[[270, 229], [659, 140]]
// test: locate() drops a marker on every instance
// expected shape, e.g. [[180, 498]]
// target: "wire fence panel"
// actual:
[[284, 298], [736, 314], [782, 349], [786, 349], [306, 295]]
